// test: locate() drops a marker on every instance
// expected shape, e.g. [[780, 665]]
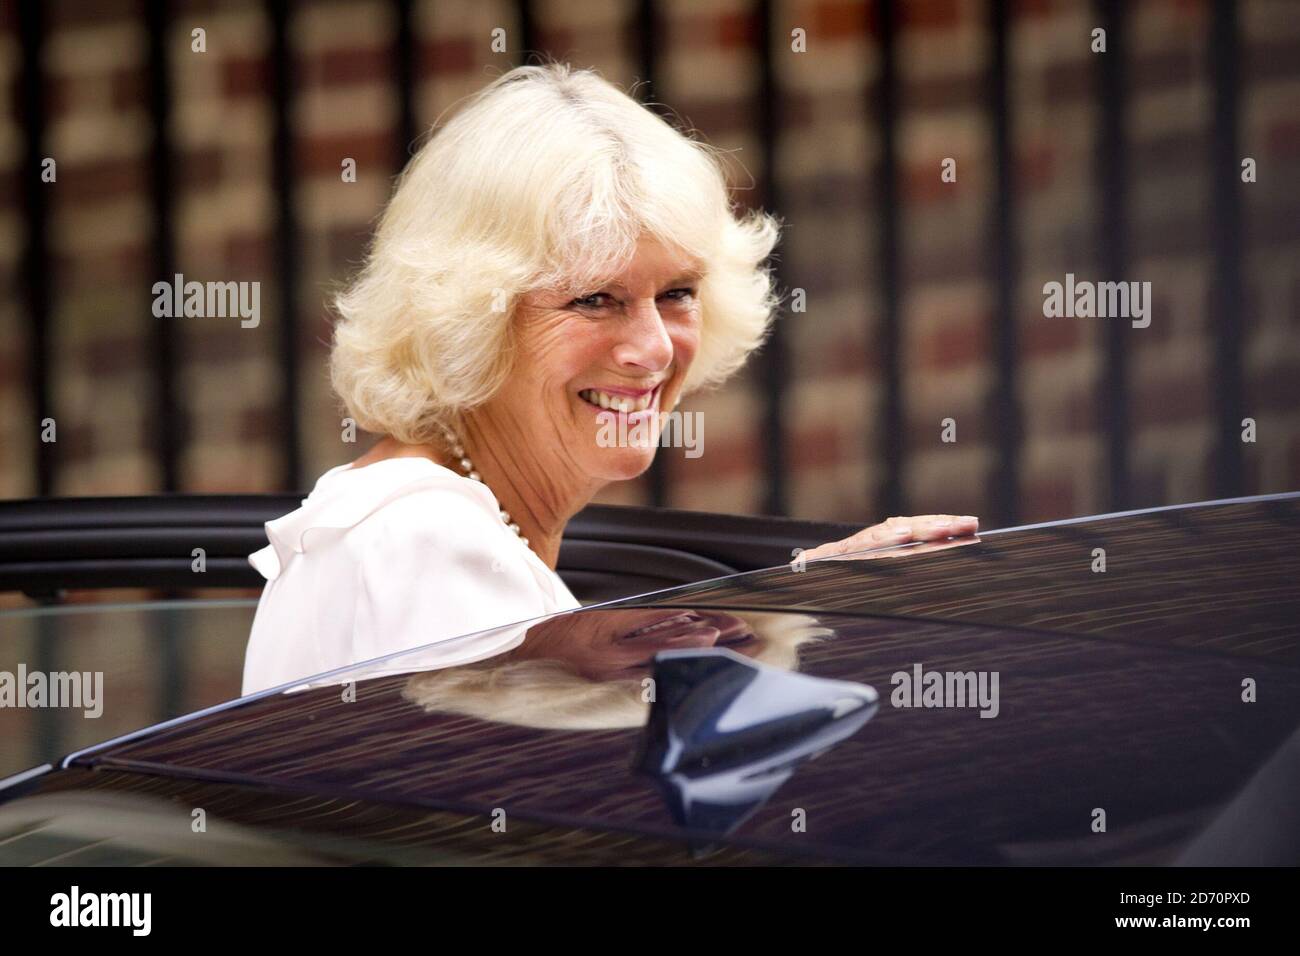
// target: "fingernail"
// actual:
[[942, 526], [969, 518]]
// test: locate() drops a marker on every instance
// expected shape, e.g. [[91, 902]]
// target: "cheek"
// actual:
[[583, 352], [552, 356], [686, 343]]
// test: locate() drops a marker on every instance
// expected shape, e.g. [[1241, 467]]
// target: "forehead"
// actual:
[[654, 260], [651, 264]]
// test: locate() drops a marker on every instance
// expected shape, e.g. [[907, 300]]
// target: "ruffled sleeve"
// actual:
[[436, 567]]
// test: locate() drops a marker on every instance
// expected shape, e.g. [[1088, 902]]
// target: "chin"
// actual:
[[622, 464]]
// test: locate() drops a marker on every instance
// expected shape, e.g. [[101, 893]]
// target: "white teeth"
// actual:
[[618, 403]]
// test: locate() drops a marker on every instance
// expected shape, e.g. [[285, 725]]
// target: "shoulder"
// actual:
[[409, 495], [435, 505], [449, 523], [438, 563]]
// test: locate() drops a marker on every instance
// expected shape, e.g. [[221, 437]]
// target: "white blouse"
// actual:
[[397, 554]]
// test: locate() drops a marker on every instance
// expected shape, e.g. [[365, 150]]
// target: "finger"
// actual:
[[916, 528], [891, 531], [909, 549], [937, 527], [876, 536], [925, 547]]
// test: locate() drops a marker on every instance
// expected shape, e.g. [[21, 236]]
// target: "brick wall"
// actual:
[[828, 156]]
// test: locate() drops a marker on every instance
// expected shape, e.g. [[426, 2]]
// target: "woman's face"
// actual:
[[592, 372]]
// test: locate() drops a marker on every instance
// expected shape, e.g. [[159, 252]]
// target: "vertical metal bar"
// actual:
[[1005, 494], [35, 264], [1225, 206], [286, 237], [773, 371], [404, 78], [162, 199], [1112, 240], [170, 658], [892, 501], [47, 656], [647, 40], [645, 47], [171, 647], [527, 31]]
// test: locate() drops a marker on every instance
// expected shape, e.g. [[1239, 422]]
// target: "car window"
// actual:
[[135, 664]]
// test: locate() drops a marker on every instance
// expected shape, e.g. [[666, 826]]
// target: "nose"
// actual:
[[644, 341]]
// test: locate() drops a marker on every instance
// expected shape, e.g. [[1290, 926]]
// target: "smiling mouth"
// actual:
[[619, 403]]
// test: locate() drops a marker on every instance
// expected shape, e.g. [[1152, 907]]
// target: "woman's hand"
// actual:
[[615, 644], [896, 531]]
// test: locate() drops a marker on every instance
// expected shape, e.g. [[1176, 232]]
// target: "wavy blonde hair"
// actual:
[[545, 179]]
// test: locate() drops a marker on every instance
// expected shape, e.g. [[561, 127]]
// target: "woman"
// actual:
[[555, 255]]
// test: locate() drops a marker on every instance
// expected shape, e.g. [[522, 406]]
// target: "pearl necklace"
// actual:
[[467, 466]]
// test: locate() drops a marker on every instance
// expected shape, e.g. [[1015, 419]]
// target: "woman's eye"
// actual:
[[680, 295], [594, 301]]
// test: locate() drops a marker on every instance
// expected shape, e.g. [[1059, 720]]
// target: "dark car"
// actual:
[[1121, 689]]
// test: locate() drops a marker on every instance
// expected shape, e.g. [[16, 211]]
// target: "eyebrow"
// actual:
[[687, 276], [682, 277], [692, 275]]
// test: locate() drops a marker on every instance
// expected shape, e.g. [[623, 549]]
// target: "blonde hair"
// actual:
[[546, 694], [545, 179]]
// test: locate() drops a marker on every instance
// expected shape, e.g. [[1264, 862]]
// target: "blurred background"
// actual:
[[922, 297]]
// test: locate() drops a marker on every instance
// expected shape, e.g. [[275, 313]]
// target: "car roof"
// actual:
[[1121, 690], [1215, 576]]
